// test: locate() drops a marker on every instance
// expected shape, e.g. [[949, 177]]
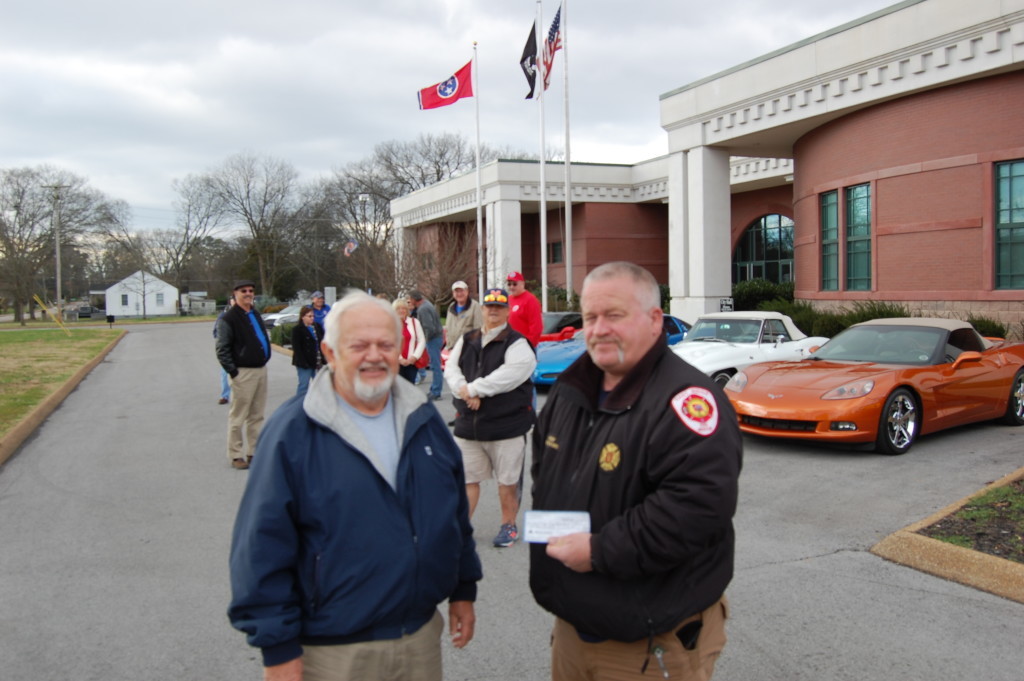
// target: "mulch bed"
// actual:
[[1002, 534]]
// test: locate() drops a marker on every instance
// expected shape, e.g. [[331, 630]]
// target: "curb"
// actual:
[[28, 424], [981, 571]]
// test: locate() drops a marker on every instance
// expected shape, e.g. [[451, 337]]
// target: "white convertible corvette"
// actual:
[[722, 343]]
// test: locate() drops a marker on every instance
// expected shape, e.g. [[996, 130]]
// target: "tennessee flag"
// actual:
[[448, 91]]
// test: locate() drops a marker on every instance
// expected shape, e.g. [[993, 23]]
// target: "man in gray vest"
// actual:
[[488, 372]]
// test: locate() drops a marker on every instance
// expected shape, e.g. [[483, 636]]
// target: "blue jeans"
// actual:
[[434, 346], [305, 376], [225, 387]]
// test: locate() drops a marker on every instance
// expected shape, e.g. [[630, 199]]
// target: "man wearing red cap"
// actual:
[[525, 314]]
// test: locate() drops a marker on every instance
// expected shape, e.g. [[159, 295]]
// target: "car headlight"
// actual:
[[858, 388], [737, 383]]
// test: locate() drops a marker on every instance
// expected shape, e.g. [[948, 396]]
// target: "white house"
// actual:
[[142, 295]]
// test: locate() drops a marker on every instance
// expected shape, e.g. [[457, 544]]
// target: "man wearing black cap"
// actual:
[[243, 350]]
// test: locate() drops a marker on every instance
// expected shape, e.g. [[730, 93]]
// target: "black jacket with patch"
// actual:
[[660, 484]]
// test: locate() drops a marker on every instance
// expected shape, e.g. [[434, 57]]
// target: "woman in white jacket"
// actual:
[[414, 343]]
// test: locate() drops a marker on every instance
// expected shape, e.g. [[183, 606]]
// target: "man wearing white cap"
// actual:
[[464, 315], [320, 308]]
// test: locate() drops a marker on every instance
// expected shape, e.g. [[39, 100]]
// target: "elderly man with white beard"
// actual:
[[354, 524]]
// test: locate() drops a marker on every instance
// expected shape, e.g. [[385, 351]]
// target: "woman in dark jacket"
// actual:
[[306, 356]]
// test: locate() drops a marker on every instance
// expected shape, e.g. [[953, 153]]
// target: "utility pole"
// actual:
[[363, 200], [55, 221]]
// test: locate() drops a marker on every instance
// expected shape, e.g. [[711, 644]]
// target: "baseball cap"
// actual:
[[496, 296], [460, 284], [515, 276], [317, 294]]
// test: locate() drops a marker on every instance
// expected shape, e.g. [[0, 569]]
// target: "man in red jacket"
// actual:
[[525, 316]]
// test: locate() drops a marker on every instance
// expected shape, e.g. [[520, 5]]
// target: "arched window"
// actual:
[[765, 251]]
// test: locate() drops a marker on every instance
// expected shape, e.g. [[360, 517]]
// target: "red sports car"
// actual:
[[886, 381]]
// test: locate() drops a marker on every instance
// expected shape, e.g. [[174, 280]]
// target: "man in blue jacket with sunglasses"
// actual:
[[354, 524]]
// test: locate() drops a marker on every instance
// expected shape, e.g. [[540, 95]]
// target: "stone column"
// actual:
[[504, 240], [699, 241]]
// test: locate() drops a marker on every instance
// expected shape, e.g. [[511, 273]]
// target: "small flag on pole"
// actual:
[[528, 61], [551, 45], [350, 248], [448, 91]]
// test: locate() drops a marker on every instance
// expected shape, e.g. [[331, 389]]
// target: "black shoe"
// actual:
[[451, 424], [434, 397]]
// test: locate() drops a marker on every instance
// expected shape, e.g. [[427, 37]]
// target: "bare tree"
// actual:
[[200, 208], [260, 192], [27, 235]]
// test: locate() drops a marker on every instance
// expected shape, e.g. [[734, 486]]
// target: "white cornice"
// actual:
[[703, 115]]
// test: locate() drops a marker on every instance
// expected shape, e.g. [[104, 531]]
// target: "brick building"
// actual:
[[882, 159]]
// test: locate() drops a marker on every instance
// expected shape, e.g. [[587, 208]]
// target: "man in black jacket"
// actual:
[[489, 372], [243, 350], [649, 449]]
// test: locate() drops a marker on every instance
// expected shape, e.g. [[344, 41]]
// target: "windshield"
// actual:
[[724, 330], [886, 344]]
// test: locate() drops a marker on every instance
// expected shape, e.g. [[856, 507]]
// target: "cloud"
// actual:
[[133, 95]]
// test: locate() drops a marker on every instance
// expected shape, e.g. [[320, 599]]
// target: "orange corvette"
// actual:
[[886, 381]]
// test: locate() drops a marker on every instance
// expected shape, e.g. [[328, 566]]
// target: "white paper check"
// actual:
[[539, 526]]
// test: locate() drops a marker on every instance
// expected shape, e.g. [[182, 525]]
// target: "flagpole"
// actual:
[[479, 183], [543, 188], [567, 250]]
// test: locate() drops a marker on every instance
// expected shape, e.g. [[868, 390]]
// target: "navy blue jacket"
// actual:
[[324, 551]]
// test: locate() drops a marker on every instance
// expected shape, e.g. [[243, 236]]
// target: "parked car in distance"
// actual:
[[886, 381], [722, 343], [274, 318], [554, 357], [560, 325]]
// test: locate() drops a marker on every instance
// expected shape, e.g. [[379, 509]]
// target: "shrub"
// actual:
[[989, 327], [874, 309], [828, 324], [749, 294], [281, 334], [270, 308]]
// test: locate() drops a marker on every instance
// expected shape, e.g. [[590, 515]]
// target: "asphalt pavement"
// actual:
[[115, 520]]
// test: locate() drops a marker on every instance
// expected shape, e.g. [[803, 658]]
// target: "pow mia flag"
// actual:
[[528, 61]]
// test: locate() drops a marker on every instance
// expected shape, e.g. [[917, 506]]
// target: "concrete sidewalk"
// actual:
[[117, 516]]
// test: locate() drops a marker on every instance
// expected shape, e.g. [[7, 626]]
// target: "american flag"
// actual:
[[551, 45]]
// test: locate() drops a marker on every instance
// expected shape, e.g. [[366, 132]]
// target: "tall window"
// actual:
[[160, 300], [829, 204], [1010, 225], [555, 252], [765, 251], [858, 237], [124, 300]]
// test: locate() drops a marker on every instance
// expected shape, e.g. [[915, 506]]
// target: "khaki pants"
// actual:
[[415, 657], [248, 398], [573, 659]]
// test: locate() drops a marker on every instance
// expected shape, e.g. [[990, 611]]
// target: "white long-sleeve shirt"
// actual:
[[518, 366]]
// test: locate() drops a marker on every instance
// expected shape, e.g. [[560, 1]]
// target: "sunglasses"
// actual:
[[247, 290], [495, 298]]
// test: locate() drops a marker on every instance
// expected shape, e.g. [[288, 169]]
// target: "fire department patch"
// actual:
[[696, 408], [610, 457]]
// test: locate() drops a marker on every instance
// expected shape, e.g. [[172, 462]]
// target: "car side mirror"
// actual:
[[968, 356], [780, 339]]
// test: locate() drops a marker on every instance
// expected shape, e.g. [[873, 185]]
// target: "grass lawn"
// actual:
[[36, 362]]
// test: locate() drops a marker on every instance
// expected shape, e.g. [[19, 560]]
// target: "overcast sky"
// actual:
[[131, 95]]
